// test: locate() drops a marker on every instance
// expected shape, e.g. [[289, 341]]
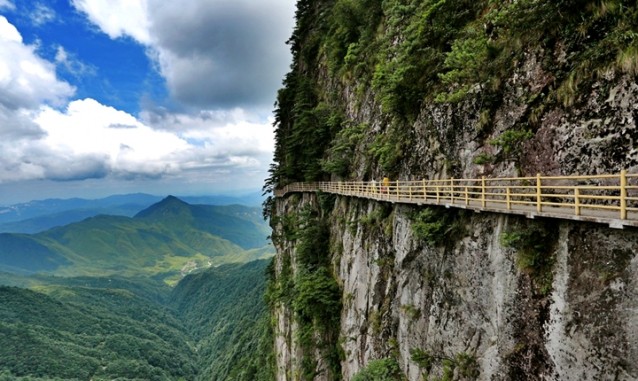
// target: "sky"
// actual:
[[101, 97]]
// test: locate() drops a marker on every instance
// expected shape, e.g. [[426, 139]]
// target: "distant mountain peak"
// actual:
[[171, 198], [169, 206]]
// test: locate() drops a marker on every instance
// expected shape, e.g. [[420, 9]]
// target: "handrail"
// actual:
[[604, 198]]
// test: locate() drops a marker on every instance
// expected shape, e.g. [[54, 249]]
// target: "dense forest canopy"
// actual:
[[207, 327]]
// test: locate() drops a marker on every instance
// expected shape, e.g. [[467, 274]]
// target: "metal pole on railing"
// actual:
[[397, 189], [623, 194], [539, 205], [467, 196], [438, 193], [425, 191], [483, 191], [508, 198], [577, 201], [452, 190]]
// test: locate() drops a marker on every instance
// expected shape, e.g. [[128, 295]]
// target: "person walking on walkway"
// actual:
[[386, 185]]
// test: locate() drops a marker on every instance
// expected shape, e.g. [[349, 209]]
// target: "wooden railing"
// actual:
[[610, 199]]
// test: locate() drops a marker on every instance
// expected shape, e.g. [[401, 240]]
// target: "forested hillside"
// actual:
[[166, 240], [84, 333], [208, 327], [226, 315]]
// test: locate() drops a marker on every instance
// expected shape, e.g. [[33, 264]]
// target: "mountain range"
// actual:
[[163, 294], [39, 215], [166, 240]]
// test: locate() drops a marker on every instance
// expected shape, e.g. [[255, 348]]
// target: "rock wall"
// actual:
[[468, 296]]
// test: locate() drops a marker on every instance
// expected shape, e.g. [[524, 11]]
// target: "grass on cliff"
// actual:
[[534, 244]]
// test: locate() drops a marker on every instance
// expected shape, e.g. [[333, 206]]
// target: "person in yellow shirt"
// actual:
[[386, 185]]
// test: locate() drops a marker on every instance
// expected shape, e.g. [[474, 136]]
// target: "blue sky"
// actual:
[[99, 97]]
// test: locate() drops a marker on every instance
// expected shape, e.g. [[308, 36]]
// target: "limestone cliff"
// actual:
[[436, 89]]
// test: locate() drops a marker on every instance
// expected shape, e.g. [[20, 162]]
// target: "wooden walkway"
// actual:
[[608, 199]]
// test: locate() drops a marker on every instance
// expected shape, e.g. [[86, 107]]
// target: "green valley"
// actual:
[[166, 241], [208, 327], [173, 293]]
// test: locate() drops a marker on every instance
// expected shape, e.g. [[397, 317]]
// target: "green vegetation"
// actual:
[[224, 311], [213, 325], [511, 142], [380, 370], [395, 57], [463, 364], [167, 240], [483, 158], [343, 150], [82, 333], [378, 221], [411, 311], [388, 149], [533, 244], [436, 225], [317, 296], [313, 293]]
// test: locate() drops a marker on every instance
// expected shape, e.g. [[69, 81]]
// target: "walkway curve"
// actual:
[[608, 199]]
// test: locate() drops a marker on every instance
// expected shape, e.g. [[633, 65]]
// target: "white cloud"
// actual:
[[89, 129], [227, 132], [71, 64], [42, 14], [6, 4], [213, 53], [8, 32], [89, 140], [44, 136], [118, 18], [26, 80]]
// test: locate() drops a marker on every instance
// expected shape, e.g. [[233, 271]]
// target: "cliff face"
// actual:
[[469, 296], [505, 90]]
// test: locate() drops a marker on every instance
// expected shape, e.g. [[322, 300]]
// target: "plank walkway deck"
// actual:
[[607, 199]]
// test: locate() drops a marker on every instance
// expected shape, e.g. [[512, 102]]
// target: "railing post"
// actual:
[[425, 190], [508, 198], [438, 193], [623, 194], [467, 196], [398, 195], [410, 191], [483, 191], [539, 205], [452, 190], [577, 201]]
